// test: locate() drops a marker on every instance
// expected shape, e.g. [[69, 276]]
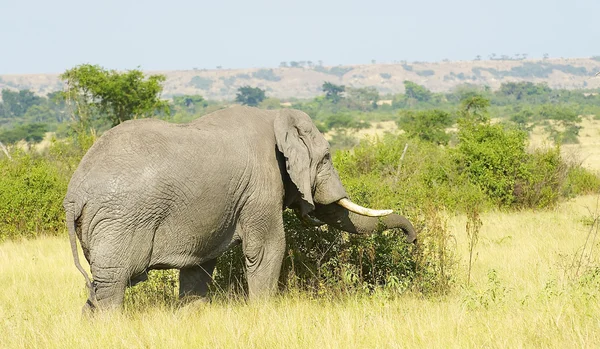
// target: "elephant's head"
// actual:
[[313, 186]]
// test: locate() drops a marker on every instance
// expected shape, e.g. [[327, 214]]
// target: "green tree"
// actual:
[[116, 96], [15, 104], [251, 96], [416, 91], [333, 92], [31, 133], [189, 101], [366, 97], [428, 125], [522, 90], [474, 109], [340, 121]]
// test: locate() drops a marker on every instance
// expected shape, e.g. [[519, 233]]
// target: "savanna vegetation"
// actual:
[[507, 246]]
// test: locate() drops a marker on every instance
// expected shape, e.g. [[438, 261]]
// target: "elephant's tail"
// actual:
[[71, 218]]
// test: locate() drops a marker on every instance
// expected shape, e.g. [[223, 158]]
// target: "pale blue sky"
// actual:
[[52, 36]]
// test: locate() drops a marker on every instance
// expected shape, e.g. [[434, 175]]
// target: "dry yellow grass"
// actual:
[[519, 297]]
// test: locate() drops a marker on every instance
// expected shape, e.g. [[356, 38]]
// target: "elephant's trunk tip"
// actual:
[[351, 206]]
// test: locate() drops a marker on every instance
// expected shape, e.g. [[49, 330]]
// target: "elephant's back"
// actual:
[[139, 153]]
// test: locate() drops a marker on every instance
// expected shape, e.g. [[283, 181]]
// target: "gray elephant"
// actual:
[[154, 195]]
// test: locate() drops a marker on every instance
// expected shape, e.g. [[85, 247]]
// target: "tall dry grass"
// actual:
[[524, 292]]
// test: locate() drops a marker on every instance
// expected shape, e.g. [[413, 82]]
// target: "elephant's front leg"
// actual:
[[194, 281], [264, 247]]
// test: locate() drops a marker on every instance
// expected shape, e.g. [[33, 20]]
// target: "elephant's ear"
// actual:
[[288, 134]]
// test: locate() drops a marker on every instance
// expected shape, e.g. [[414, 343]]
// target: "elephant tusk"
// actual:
[[345, 203]]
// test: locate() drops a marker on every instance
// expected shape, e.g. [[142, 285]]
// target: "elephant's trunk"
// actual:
[[342, 218], [345, 203]]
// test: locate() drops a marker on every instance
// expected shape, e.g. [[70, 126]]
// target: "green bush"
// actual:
[[31, 193], [328, 262], [491, 156], [32, 188], [428, 125], [495, 158], [580, 181]]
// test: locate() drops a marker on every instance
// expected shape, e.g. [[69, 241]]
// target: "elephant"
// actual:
[[150, 194]]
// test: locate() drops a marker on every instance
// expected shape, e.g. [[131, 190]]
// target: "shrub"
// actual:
[[32, 188], [328, 262], [428, 125], [580, 181], [31, 193], [491, 156]]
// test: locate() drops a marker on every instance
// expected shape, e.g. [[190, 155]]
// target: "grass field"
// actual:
[[525, 292]]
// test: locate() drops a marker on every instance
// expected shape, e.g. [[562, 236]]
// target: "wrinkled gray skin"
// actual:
[[154, 195]]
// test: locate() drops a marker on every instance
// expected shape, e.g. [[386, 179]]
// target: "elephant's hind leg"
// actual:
[[110, 284], [194, 281]]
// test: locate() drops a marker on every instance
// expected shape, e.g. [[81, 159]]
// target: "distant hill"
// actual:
[[306, 82]]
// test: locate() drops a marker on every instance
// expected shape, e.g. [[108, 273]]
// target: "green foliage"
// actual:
[[31, 192], [15, 104], [558, 112], [333, 92], [386, 76], [495, 158], [491, 155], [251, 96], [417, 92], [117, 96], [474, 109], [189, 101], [580, 181], [32, 133], [341, 139], [201, 83], [266, 74], [338, 121], [523, 90], [364, 98], [160, 288], [427, 125], [328, 262]]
